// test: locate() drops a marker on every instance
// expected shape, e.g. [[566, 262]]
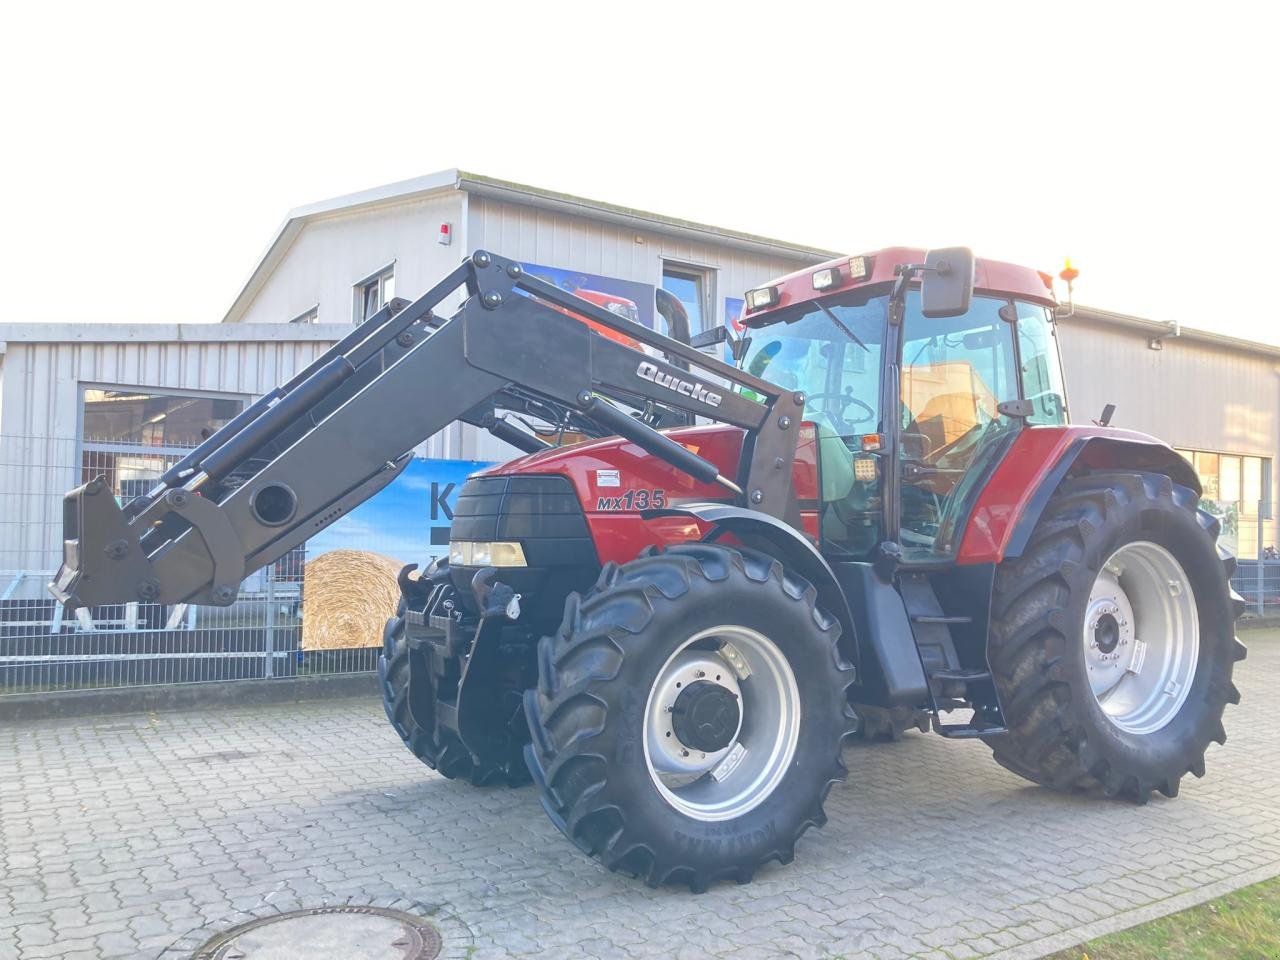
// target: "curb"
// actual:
[[184, 696], [1266, 622]]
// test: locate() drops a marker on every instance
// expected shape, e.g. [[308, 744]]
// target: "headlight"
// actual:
[[627, 310], [486, 553]]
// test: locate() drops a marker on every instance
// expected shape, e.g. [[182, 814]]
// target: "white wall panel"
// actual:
[[334, 252], [634, 253]]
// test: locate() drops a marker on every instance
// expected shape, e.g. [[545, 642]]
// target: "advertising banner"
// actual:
[[349, 572], [627, 298], [409, 520]]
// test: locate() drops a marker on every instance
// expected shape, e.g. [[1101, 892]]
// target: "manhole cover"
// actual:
[[352, 933]]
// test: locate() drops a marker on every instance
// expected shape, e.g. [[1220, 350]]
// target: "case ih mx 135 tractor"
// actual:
[[673, 625]]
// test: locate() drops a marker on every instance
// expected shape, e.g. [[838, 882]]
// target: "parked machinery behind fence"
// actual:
[[672, 625]]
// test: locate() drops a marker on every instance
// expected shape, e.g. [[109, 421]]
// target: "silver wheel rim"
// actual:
[[1141, 637], [724, 783]]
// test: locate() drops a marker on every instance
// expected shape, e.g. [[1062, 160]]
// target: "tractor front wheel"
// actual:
[[689, 715], [437, 747], [1112, 639]]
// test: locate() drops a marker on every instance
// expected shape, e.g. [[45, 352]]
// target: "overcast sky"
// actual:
[[150, 150]]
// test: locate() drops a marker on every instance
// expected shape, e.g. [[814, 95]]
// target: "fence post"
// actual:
[[269, 666], [1262, 553]]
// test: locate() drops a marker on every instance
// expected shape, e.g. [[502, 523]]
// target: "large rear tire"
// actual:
[[689, 715], [438, 748], [1112, 639]]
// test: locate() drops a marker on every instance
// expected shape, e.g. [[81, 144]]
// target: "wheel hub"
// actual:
[[721, 723], [706, 716], [675, 743], [1106, 633]]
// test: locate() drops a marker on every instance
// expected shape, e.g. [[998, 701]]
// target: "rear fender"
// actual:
[[1020, 488], [769, 535]]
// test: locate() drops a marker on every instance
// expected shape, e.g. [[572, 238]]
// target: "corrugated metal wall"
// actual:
[[39, 434], [1190, 394]]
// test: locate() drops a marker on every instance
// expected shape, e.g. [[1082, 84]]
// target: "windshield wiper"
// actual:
[[837, 321]]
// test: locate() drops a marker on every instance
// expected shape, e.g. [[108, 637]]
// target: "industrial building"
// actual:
[[79, 399]]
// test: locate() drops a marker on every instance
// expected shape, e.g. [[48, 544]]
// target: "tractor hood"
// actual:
[[615, 475]]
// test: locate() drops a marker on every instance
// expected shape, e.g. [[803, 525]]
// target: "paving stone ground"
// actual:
[[122, 835]]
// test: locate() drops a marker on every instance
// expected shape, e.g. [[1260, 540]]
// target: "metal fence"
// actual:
[[44, 649], [1258, 581]]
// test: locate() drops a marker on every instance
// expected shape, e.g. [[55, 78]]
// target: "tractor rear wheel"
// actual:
[[438, 748], [689, 715], [1112, 639]]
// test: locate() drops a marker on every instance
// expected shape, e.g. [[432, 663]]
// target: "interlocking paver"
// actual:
[[118, 836]]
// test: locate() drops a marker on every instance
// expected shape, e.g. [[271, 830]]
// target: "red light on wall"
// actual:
[[446, 234]]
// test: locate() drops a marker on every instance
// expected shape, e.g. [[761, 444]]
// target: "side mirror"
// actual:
[[709, 338], [947, 286]]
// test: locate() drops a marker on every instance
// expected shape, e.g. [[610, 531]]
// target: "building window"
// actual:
[[692, 287], [1235, 490], [373, 292], [309, 316], [132, 435]]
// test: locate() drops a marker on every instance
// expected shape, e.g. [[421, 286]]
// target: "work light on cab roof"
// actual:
[[762, 297]]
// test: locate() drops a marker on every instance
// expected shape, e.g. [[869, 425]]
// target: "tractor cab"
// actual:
[[910, 409]]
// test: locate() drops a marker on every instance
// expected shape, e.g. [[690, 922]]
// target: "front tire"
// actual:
[[689, 715], [440, 749], [1112, 639]]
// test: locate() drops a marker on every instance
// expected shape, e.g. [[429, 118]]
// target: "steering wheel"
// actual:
[[845, 399]]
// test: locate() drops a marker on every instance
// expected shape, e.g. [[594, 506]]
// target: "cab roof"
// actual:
[[990, 276]]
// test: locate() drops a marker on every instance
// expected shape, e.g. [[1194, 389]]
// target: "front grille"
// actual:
[[542, 513]]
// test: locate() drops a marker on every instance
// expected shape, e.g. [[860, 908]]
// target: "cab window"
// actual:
[[1041, 368]]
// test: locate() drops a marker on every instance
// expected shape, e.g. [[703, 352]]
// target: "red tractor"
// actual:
[[879, 515]]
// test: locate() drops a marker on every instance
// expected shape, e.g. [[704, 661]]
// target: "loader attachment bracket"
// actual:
[[220, 540], [95, 526]]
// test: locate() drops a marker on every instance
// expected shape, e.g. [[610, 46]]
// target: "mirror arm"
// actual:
[[905, 273]]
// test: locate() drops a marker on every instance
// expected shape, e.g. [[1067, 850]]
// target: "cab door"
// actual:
[[954, 374]]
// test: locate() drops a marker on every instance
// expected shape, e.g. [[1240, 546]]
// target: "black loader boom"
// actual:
[[308, 452]]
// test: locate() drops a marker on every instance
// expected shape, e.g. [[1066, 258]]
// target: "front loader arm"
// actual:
[[310, 451]]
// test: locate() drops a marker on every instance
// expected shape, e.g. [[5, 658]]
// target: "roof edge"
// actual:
[[660, 223]]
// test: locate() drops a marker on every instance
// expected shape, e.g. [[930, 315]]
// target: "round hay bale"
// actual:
[[347, 597]]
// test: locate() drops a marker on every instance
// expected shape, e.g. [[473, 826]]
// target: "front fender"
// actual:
[[770, 535]]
